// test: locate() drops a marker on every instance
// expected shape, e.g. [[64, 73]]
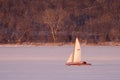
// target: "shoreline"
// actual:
[[60, 44]]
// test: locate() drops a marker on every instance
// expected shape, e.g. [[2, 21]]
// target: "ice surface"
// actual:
[[48, 63]]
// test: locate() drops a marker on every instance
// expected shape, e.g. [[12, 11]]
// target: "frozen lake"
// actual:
[[48, 63]]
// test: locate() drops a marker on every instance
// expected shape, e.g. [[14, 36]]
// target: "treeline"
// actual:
[[92, 21]]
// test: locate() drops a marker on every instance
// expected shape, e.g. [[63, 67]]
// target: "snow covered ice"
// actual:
[[48, 63]]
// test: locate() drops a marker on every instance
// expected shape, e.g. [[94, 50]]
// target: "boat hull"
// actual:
[[77, 64]]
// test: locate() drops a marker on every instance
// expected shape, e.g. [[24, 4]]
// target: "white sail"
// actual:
[[75, 57], [70, 59], [77, 52]]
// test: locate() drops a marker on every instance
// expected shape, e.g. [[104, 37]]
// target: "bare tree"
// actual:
[[53, 18]]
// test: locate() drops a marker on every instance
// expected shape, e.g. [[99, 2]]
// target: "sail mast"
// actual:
[[74, 51]]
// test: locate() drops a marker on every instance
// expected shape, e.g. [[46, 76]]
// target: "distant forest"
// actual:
[[48, 21]]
